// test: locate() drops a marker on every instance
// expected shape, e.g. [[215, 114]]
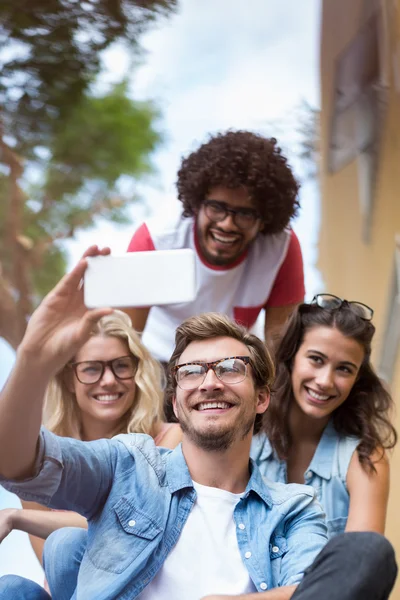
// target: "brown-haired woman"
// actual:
[[328, 421]]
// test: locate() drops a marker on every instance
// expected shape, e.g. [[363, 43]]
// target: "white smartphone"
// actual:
[[149, 278]]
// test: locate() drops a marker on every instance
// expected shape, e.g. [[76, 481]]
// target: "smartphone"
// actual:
[[149, 278]]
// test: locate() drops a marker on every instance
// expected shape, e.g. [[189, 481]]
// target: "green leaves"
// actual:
[[63, 150]]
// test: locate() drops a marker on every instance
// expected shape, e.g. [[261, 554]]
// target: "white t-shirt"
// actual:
[[240, 290], [206, 559]]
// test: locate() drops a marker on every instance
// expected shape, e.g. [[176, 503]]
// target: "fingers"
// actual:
[[96, 251], [71, 281], [91, 318]]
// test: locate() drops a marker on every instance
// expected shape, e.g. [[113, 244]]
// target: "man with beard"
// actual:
[[179, 524], [238, 195]]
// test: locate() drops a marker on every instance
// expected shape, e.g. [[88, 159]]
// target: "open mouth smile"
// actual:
[[213, 405], [224, 238], [107, 398], [318, 397]]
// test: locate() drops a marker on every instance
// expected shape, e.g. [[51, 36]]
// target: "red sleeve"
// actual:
[[288, 286], [141, 240]]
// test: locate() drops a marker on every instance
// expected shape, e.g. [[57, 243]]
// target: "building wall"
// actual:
[[350, 267]]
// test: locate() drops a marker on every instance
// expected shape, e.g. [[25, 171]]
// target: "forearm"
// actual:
[[21, 404], [43, 523]]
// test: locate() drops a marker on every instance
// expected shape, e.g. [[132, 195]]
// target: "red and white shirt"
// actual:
[[269, 274]]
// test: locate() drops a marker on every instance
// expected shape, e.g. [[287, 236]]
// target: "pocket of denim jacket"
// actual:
[[135, 521], [124, 536], [277, 546]]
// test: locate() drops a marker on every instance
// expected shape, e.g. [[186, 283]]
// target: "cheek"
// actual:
[[300, 371], [81, 393], [131, 389]]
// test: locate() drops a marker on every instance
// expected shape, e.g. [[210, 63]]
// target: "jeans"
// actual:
[[352, 566], [62, 557], [14, 587]]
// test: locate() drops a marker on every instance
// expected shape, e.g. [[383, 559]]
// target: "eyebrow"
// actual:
[[342, 362], [245, 208]]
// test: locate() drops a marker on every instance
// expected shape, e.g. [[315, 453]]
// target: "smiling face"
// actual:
[[223, 242], [215, 415], [106, 402], [325, 369]]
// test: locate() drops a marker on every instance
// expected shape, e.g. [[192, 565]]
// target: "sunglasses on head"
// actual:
[[331, 302]]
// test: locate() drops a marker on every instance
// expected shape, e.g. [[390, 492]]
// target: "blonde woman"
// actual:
[[112, 386]]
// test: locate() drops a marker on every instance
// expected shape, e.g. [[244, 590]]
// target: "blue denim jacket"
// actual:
[[327, 472], [137, 498]]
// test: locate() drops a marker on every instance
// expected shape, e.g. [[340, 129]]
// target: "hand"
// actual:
[[6, 522], [62, 323]]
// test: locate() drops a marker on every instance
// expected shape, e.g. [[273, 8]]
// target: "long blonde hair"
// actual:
[[61, 412]]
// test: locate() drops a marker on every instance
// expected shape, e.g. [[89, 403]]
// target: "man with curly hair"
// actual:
[[238, 195]]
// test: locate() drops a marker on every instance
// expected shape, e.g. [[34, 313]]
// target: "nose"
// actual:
[[108, 377], [228, 224], [211, 382], [324, 378]]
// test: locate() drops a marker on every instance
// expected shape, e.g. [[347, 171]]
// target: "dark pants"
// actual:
[[352, 566]]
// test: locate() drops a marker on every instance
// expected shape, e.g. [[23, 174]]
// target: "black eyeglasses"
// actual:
[[230, 370], [244, 218], [331, 302], [91, 371]]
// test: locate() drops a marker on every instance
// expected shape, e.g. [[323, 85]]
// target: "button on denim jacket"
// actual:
[[327, 472], [137, 498]]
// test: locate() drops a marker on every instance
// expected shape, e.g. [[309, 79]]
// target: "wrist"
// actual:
[[30, 361], [12, 517]]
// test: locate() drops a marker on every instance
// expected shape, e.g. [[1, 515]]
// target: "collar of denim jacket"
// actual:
[[178, 476]]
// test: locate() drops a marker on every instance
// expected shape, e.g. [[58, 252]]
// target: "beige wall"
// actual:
[[351, 268]]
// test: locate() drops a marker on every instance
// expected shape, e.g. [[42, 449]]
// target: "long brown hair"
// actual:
[[365, 413]]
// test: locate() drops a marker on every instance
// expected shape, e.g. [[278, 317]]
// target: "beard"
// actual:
[[218, 438]]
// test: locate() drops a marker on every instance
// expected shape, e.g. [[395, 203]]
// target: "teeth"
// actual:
[[206, 405], [224, 239], [107, 397], [317, 396]]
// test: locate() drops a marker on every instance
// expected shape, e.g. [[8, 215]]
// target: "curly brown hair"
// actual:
[[241, 159], [365, 413]]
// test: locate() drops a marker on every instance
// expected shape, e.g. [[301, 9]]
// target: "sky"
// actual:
[[211, 67]]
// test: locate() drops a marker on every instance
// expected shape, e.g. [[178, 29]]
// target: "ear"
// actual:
[[263, 398], [174, 407], [69, 380]]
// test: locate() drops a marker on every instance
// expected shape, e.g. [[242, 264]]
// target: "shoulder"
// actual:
[[293, 493], [346, 447], [358, 471], [169, 435], [172, 231], [142, 449]]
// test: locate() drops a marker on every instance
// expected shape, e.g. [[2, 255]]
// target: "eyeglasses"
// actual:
[[331, 302], [244, 218], [91, 371], [230, 370]]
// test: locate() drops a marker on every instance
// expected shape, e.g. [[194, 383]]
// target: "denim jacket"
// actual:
[[137, 498], [327, 472]]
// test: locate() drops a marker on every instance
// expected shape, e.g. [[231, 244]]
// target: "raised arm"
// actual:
[[369, 492], [59, 326]]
